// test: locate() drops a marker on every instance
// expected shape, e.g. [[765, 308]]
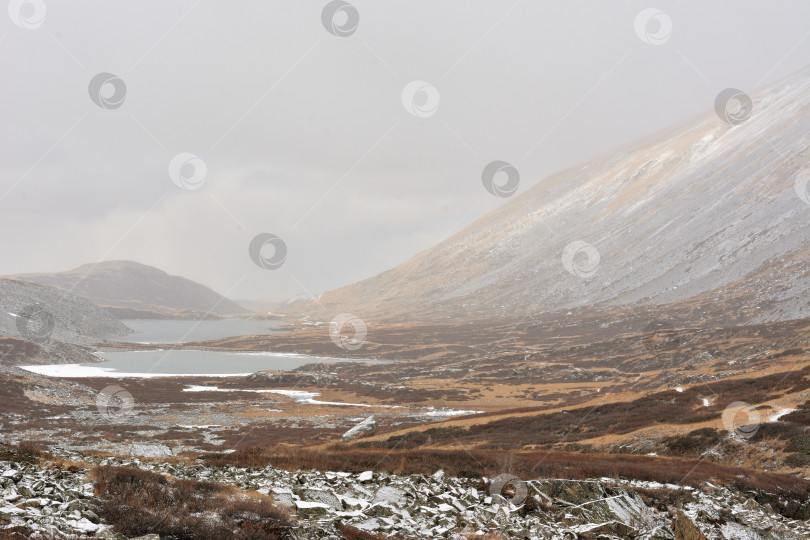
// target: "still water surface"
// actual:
[[173, 331]]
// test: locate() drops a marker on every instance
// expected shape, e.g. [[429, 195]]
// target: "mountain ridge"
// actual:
[[701, 206], [131, 289]]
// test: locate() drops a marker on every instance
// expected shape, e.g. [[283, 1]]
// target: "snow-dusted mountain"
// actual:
[[705, 207]]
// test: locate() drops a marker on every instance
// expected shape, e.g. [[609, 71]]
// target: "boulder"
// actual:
[[365, 476], [363, 429], [686, 529], [311, 510]]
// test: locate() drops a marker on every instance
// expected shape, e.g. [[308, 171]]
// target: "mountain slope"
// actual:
[[136, 289], [703, 206], [40, 324]]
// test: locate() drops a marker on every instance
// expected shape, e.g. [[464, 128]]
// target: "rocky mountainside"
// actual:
[[40, 324], [705, 206], [39, 499], [134, 290]]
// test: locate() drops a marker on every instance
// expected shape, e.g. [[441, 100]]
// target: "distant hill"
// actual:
[[133, 290], [276, 306]]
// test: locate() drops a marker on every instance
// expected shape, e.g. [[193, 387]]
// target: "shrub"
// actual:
[[800, 443], [138, 502], [777, 430], [353, 533], [798, 460], [800, 416], [21, 453], [693, 443]]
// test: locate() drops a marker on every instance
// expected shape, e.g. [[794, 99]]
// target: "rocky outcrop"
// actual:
[[293, 378], [45, 325], [364, 429], [37, 499], [48, 501], [685, 528]]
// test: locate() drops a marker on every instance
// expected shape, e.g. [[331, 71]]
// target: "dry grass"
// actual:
[[519, 428]]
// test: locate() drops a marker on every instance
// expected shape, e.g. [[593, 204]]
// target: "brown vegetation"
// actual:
[[693, 443], [572, 425], [477, 463], [22, 453], [138, 502]]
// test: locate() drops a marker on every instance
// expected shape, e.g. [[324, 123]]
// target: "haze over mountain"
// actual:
[[703, 206], [131, 289]]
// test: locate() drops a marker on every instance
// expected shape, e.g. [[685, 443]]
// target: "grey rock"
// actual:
[[363, 429]]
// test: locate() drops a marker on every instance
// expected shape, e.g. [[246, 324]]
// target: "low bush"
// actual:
[[353, 533], [797, 460], [21, 453], [800, 444], [137, 502], [693, 443], [777, 430]]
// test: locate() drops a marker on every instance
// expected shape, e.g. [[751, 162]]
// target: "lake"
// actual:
[[184, 363], [182, 331], [157, 363]]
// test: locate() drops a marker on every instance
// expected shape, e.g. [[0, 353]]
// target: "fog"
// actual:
[[305, 134]]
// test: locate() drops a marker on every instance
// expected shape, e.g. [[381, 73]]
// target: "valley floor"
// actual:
[[619, 415]]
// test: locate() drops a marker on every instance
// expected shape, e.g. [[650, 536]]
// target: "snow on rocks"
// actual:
[[363, 429], [417, 506], [47, 500]]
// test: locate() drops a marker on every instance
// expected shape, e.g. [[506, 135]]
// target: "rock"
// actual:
[[323, 496], [365, 476], [311, 510], [282, 496], [363, 429], [390, 495], [84, 525], [92, 516], [686, 529], [595, 531], [662, 532], [57, 503], [150, 450], [8, 512]]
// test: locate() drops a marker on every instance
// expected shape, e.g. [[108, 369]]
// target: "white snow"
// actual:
[[447, 412], [79, 371], [779, 414], [308, 504], [299, 396]]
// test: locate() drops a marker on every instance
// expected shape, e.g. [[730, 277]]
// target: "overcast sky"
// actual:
[[304, 134]]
